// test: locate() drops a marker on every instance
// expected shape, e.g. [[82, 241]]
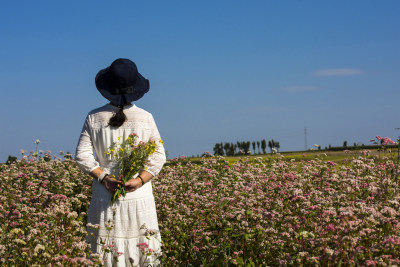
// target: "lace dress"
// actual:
[[128, 214]]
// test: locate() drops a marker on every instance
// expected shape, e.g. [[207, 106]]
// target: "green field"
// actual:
[[335, 156]]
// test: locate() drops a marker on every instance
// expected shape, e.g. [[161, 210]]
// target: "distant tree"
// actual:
[[258, 145], [227, 147], [247, 147], [264, 146], [254, 146], [239, 146], [271, 144], [345, 144], [218, 149], [11, 159]]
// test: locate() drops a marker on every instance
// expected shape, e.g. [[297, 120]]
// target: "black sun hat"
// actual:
[[121, 82]]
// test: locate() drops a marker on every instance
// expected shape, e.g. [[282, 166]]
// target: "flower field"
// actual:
[[265, 212]]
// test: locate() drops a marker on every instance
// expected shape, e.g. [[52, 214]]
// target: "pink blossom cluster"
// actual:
[[269, 212], [385, 140], [257, 212], [43, 209]]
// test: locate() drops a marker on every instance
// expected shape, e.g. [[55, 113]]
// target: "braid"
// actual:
[[118, 118]]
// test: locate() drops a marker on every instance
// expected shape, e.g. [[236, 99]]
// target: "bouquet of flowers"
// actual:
[[131, 157]]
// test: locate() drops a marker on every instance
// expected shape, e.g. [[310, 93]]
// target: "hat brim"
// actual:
[[103, 84]]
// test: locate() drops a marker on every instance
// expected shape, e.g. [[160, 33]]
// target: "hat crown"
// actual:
[[124, 74]]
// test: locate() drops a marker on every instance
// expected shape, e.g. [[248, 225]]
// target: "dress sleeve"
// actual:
[[158, 158], [84, 151]]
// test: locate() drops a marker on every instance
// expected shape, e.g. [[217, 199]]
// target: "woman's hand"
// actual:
[[133, 184], [111, 184]]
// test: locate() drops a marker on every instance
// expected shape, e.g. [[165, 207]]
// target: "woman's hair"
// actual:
[[118, 119]]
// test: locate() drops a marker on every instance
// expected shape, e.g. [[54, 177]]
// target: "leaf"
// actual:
[[223, 203]]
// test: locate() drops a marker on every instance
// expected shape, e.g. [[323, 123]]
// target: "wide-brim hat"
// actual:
[[121, 82]]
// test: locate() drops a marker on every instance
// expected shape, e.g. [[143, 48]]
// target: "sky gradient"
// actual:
[[220, 71]]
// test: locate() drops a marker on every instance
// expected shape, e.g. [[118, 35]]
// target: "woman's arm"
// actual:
[[110, 183], [85, 159], [158, 158], [84, 151]]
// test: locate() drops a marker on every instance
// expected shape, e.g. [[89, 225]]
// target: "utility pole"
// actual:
[[305, 139]]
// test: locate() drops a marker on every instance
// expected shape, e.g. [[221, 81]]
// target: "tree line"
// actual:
[[243, 147]]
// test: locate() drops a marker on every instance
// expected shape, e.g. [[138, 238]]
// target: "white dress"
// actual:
[[138, 207]]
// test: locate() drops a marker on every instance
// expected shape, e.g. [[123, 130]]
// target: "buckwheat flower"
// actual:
[[38, 248], [329, 251], [150, 232], [95, 226], [19, 241], [17, 231], [72, 215], [37, 141], [143, 247], [303, 253], [109, 225]]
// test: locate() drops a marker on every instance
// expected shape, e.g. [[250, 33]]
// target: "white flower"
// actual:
[[37, 141], [72, 215], [19, 241], [38, 248]]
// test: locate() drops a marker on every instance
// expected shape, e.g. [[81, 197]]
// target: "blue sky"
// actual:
[[220, 71]]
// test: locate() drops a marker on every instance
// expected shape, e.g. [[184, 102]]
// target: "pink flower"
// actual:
[[144, 247], [390, 140], [370, 263], [59, 196], [330, 227]]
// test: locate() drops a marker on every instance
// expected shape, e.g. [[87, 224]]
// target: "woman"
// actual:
[[121, 84]]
